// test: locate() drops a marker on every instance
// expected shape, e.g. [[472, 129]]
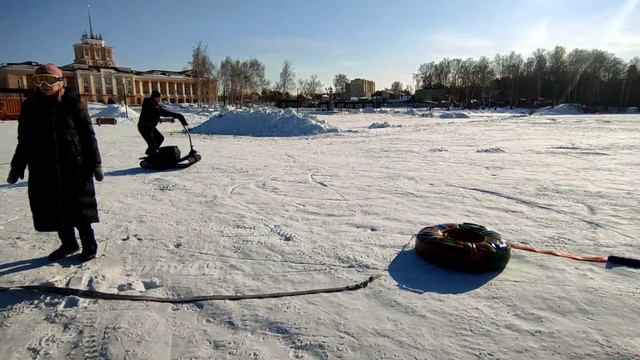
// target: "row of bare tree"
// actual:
[[306, 87], [240, 78], [591, 77], [237, 78]]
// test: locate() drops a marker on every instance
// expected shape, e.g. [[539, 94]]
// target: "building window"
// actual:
[[86, 85], [97, 83], [108, 86], [180, 89], [145, 88], [120, 85]]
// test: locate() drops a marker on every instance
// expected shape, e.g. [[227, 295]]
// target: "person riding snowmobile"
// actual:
[[149, 118]]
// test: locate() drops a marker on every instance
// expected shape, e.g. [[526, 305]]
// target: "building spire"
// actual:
[[90, 26]]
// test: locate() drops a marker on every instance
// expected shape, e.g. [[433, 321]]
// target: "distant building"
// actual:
[[389, 95], [96, 77], [360, 88], [430, 94]]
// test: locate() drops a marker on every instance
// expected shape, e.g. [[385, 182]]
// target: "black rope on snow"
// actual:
[[92, 294]]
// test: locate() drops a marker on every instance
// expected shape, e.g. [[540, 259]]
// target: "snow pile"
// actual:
[[493, 150], [368, 111], [192, 113], [94, 108], [385, 124], [263, 122], [453, 115], [562, 109], [412, 111], [117, 111]]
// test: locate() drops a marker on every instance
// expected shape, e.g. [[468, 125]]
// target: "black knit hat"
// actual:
[[155, 94]]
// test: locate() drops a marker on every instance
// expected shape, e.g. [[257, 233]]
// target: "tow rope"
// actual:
[[92, 294], [617, 260]]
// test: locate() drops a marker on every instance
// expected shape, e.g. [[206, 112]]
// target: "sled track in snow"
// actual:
[[322, 184], [543, 207], [288, 262]]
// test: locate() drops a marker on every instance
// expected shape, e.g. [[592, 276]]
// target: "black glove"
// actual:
[[14, 175], [182, 120], [97, 173]]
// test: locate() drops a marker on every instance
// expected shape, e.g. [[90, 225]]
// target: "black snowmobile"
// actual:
[[168, 157]]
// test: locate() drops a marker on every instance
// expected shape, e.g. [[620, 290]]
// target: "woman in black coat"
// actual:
[[57, 142]]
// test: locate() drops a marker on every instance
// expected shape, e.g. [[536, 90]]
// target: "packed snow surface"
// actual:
[[286, 213]]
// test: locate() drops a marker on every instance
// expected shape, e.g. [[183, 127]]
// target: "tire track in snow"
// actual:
[[289, 262], [233, 188], [88, 342], [541, 206], [263, 220], [320, 183], [314, 181]]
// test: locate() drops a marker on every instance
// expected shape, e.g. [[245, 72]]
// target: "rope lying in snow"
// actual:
[[598, 259], [92, 294], [618, 260]]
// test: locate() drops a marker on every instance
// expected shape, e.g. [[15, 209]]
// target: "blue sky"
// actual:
[[378, 40]]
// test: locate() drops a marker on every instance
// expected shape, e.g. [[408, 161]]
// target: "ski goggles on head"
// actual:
[[48, 79]]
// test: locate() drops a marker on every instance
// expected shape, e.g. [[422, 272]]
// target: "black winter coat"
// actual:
[[151, 113], [57, 142]]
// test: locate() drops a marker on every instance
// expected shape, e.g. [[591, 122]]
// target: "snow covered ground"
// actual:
[[282, 213]]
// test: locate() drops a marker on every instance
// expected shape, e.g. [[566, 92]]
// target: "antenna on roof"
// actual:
[[90, 26]]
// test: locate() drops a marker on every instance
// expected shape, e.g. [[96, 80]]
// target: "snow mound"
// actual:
[[436, 150], [117, 111], [562, 109], [453, 115], [412, 111], [385, 124], [193, 114], [493, 150], [94, 108], [368, 111], [263, 122]]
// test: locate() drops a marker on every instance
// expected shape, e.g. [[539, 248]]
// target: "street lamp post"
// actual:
[[124, 93]]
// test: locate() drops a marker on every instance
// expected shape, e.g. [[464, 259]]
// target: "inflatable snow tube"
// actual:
[[466, 247]]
